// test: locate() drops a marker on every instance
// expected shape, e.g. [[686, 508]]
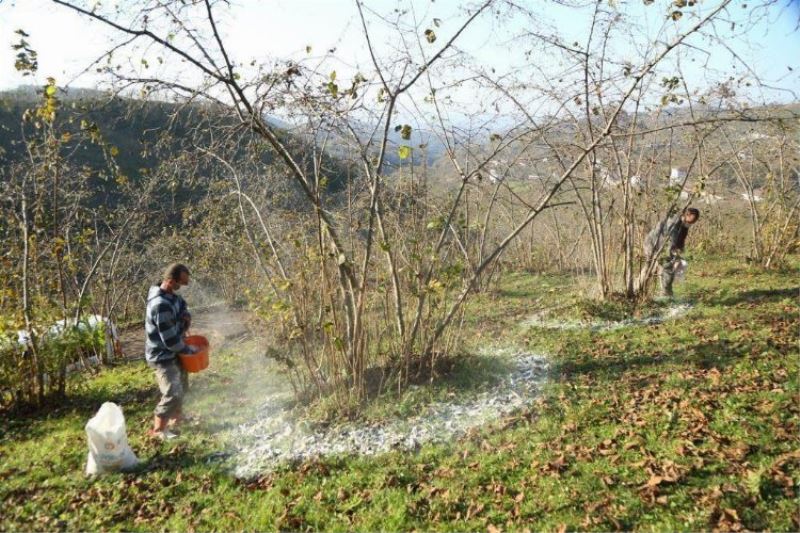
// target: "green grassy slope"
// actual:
[[690, 424]]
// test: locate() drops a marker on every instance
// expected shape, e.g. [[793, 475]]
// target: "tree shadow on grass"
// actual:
[[29, 424], [703, 354], [758, 296], [178, 458]]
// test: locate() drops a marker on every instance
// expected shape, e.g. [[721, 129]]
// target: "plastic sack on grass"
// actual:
[[108, 441], [680, 270]]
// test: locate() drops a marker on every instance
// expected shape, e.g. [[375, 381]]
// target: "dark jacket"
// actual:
[[164, 325], [672, 229]]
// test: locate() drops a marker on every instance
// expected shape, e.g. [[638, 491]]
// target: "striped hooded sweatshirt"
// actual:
[[671, 228], [163, 324]]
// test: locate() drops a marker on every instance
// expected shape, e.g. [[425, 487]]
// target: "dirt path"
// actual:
[[219, 324]]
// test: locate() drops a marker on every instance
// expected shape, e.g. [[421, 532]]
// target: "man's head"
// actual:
[[690, 215], [175, 276]]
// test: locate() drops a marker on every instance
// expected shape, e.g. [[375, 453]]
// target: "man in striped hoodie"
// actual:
[[166, 321], [673, 231]]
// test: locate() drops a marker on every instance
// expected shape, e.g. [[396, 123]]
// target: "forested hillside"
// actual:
[[139, 135]]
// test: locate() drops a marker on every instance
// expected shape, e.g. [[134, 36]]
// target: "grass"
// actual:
[[464, 376], [690, 424]]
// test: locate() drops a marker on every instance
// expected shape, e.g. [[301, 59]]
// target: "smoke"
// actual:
[[241, 383], [200, 295]]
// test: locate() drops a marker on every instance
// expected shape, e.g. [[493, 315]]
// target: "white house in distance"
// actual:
[[757, 135], [758, 195], [497, 170], [706, 197], [676, 176]]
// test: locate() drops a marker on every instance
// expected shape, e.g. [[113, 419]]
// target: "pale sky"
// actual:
[[267, 29]]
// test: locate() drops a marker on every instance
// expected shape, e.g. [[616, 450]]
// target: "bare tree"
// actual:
[[378, 271]]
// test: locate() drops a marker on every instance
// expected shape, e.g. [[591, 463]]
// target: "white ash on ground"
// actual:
[[274, 436], [540, 320]]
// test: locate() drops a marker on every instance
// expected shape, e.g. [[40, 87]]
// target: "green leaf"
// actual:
[[437, 223], [404, 152], [405, 132], [333, 89], [676, 15], [333, 75], [430, 35]]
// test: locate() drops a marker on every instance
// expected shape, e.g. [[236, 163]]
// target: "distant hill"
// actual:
[[142, 132], [531, 159], [129, 126]]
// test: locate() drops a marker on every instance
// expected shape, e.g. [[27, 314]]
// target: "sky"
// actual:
[[263, 30]]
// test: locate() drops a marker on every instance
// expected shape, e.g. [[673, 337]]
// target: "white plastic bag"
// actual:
[[108, 441], [680, 270]]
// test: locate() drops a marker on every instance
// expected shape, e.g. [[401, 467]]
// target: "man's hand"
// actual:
[[190, 349]]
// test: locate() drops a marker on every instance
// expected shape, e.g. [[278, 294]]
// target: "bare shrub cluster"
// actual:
[[328, 213]]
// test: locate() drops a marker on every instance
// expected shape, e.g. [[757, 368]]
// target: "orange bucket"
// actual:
[[195, 362]]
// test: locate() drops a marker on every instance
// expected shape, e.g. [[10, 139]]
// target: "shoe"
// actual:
[[160, 430], [163, 435], [180, 420], [179, 417]]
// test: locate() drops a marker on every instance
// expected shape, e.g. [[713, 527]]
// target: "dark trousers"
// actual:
[[667, 276]]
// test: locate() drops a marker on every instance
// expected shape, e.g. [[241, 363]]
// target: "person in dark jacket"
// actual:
[[670, 235], [166, 321]]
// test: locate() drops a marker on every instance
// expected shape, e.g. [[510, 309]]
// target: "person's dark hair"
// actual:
[[693, 211], [173, 272]]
